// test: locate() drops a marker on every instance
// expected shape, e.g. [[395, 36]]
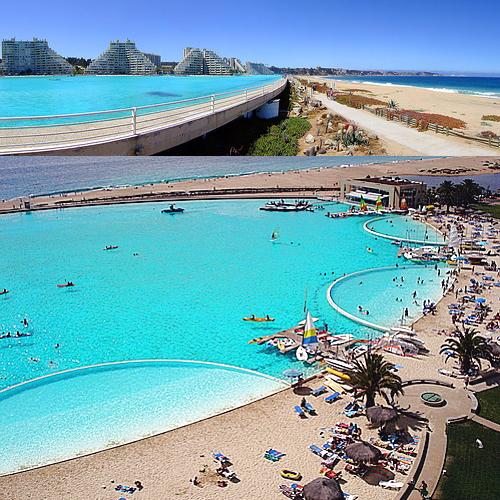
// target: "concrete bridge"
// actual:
[[143, 130]]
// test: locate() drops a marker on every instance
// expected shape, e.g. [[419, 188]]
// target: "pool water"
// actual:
[[120, 403], [56, 95], [177, 287], [404, 227], [396, 286]]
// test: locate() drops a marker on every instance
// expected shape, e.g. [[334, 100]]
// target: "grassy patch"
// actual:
[[356, 101], [281, 139], [489, 404], [491, 118], [472, 473], [493, 210]]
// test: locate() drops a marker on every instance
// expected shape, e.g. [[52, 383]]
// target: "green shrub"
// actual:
[[281, 139]]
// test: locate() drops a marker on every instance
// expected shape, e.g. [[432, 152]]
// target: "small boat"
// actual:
[[110, 247], [282, 206], [66, 285], [172, 209], [301, 354], [258, 320], [290, 474]]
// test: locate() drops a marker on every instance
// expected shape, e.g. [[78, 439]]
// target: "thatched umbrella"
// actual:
[[362, 451], [323, 488], [381, 415]]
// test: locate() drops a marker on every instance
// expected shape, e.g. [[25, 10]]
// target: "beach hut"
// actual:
[[381, 415], [323, 488], [362, 451]]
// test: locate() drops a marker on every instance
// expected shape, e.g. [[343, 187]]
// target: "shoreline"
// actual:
[[295, 183], [485, 95]]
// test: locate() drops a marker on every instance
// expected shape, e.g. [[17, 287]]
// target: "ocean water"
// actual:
[[25, 176], [177, 288], [476, 85], [55, 95]]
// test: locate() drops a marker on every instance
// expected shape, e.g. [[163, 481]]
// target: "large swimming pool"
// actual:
[[55, 95], [176, 288]]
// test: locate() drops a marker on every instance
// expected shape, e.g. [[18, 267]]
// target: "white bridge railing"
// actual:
[[26, 134]]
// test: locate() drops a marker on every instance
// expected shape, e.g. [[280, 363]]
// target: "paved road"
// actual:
[[424, 144]]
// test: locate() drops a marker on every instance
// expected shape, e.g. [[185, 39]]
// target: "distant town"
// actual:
[[35, 57]]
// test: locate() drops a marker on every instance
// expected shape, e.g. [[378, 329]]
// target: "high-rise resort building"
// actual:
[[257, 69], [203, 62], [32, 57], [121, 58], [154, 58]]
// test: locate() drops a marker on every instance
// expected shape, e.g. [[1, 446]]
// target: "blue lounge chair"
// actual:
[[299, 411], [309, 408], [273, 455], [332, 397], [220, 457], [318, 391], [316, 450]]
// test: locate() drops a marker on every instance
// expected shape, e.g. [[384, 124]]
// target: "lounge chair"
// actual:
[[392, 485], [273, 455], [332, 397], [319, 390], [299, 411], [309, 408], [220, 457], [325, 454]]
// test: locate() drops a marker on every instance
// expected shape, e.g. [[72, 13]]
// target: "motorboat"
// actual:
[[172, 209]]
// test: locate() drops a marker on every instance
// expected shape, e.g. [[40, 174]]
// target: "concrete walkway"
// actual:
[[457, 405], [486, 423], [422, 143]]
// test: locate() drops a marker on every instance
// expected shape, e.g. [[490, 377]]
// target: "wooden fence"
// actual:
[[433, 127]]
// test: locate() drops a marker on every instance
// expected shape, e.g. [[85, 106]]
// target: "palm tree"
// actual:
[[446, 194], [374, 375], [392, 104], [467, 192], [469, 347]]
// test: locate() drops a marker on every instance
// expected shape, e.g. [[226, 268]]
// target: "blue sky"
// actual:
[[449, 35]]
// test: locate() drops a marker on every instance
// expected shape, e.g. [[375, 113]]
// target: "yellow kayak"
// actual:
[[258, 320], [337, 373]]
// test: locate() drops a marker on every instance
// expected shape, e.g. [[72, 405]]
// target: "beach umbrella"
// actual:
[[480, 300], [322, 488], [381, 415], [363, 452], [292, 373]]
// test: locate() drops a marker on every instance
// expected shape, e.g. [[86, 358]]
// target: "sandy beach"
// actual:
[[469, 108], [323, 181]]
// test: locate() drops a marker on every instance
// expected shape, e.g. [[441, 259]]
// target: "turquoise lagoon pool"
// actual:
[[182, 296], [55, 95], [404, 227]]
